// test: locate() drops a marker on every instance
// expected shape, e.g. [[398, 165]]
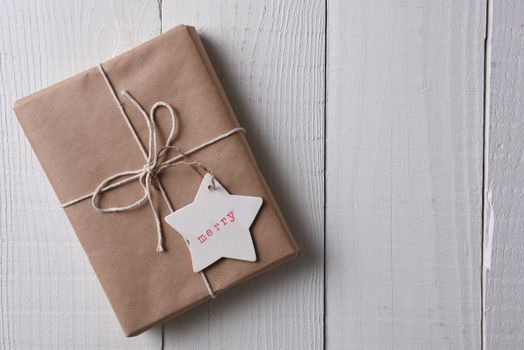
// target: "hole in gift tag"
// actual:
[[212, 186]]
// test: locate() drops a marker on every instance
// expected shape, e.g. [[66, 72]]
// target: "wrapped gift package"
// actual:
[[80, 138]]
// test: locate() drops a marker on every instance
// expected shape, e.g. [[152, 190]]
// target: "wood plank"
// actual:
[[404, 174], [49, 295], [270, 58], [504, 277]]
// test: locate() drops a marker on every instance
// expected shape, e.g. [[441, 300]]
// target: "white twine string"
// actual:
[[148, 175]]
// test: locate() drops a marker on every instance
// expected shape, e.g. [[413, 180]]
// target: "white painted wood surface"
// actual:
[[49, 295], [504, 287], [270, 58], [404, 147], [404, 174]]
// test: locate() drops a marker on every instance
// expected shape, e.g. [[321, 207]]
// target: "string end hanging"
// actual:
[[160, 247]]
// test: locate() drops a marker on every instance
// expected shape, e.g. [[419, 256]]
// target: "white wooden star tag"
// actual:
[[216, 225]]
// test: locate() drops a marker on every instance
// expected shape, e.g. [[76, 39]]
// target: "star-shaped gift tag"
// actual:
[[216, 225]]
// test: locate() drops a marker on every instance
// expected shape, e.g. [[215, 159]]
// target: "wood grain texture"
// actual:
[[49, 295], [404, 174], [270, 58], [504, 280]]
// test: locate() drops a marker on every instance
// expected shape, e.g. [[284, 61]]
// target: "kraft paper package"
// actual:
[[80, 138]]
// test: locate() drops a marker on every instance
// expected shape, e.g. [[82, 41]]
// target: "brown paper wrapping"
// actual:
[[80, 138]]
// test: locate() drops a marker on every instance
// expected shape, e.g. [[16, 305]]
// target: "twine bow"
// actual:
[[147, 176]]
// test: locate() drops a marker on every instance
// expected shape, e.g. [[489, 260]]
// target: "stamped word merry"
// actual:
[[230, 217]]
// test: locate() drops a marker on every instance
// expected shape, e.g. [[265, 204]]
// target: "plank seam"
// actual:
[[324, 227], [485, 169], [160, 13]]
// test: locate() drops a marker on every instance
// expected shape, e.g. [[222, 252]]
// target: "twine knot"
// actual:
[[151, 172]]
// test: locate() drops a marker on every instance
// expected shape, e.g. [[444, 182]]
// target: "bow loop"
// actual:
[[106, 184]]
